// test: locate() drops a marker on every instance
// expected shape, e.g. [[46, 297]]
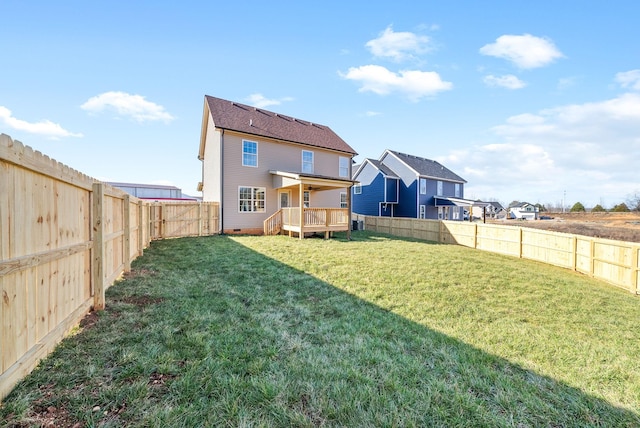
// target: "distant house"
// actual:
[[153, 191], [523, 211], [402, 185], [490, 209], [271, 172]]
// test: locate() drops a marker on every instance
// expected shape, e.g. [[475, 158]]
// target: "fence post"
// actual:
[[200, 219], [126, 242], [634, 271], [475, 236], [520, 243], [161, 223], [574, 249], [98, 247], [141, 227], [592, 258]]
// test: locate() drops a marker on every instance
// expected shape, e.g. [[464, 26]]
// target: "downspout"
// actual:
[[221, 206], [418, 199]]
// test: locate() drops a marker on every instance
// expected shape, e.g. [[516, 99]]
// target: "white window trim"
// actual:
[[423, 191], [306, 199], [357, 189], [312, 162], [439, 188], [253, 199], [423, 212], [343, 168], [343, 195], [256, 154]]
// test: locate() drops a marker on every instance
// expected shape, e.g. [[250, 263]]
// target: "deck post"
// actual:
[[349, 213], [301, 216]]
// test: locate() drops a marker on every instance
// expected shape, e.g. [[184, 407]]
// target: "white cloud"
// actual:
[[589, 150], [45, 128], [629, 79], [133, 106], [372, 113], [566, 82], [524, 51], [414, 84], [259, 101], [508, 81], [398, 46]]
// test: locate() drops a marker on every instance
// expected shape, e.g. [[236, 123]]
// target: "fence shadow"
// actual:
[[294, 350]]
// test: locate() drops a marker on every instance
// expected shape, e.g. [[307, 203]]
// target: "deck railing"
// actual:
[[273, 225], [315, 220]]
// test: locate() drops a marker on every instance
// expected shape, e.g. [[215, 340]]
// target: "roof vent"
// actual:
[[250, 122]]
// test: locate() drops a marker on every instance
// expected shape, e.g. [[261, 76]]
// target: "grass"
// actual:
[[378, 331]]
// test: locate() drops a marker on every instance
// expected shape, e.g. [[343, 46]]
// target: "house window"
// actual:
[[357, 189], [423, 186], [456, 214], [344, 166], [343, 199], [440, 213], [251, 199], [457, 190], [439, 190], [423, 211], [307, 161], [249, 153], [306, 199]]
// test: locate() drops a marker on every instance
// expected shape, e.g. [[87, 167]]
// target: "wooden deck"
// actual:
[[314, 220]]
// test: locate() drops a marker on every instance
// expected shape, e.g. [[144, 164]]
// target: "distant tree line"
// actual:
[[631, 204]]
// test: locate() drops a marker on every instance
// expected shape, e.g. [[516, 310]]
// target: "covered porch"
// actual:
[[443, 201], [303, 219]]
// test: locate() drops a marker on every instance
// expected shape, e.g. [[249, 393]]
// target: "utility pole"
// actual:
[[564, 195]]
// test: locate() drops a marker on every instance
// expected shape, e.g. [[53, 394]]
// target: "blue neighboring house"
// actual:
[[402, 185]]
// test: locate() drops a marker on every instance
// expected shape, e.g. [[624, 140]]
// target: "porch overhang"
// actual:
[[285, 179]]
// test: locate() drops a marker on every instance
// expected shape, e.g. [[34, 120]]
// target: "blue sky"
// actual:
[[530, 101]]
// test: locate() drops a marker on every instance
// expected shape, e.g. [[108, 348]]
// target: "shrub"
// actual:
[[577, 207]]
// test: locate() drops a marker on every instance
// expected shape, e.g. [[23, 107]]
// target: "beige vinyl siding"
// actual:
[[211, 174], [272, 155], [326, 198]]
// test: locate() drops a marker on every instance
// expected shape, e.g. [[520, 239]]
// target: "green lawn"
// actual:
[[378, 331]]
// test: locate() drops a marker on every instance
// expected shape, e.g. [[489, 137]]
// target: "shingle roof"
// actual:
[[428, 167], [251, 120], [383, 168]]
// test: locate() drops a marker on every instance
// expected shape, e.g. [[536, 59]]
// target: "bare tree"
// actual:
[[633, 201]]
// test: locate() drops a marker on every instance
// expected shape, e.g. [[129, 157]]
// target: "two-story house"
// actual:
[[263, 167], [524, 211], [402, 185], [491, 209]]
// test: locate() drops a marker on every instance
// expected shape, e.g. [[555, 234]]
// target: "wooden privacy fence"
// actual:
[[64, 239], [615, 262]]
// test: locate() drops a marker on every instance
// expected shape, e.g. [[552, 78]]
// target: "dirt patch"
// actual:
[[46, 415], [89, 320], [616, 226]]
